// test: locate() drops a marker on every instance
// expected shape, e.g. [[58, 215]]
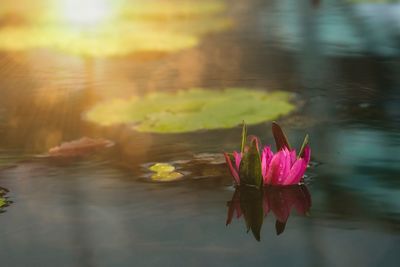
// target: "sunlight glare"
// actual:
[[87, 12]]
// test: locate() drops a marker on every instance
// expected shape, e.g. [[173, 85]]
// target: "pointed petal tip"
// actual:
[[281, 140], [307, 154]]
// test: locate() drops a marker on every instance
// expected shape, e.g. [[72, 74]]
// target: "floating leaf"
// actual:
[[3, 202], [79, 147], [3, 199], [164, 172], [162, 167], [193, 110], [166, 176]]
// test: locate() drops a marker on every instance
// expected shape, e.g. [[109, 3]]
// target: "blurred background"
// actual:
[[171, 81]]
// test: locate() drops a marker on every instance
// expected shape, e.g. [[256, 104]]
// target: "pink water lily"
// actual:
[[283, 167], [234, 168]]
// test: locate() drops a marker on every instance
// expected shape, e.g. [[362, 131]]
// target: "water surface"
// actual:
[[101, 210]]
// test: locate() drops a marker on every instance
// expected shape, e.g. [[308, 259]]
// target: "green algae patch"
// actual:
[[193, 110]]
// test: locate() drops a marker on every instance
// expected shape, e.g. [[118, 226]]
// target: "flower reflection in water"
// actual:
[[254, 204]]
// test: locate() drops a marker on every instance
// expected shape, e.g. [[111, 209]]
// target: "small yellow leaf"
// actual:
[[3, 202], [162, 167], [166, 176]]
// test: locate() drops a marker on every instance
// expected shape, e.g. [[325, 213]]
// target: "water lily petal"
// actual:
[[296, 172], [293, 156], [266, 158], [232, 169], [280, 137], [238, 158], [286, 166], [307, 154], [274, 168]]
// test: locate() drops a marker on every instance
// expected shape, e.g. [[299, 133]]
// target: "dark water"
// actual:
[[100, 211]]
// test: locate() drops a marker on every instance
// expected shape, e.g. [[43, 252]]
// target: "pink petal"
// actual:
[[307, 154], [284, 173], [238, 158], [293, 156], [266, 158], [272, 168], [278, 168], [232, 169], [296, 172], [254, 138]]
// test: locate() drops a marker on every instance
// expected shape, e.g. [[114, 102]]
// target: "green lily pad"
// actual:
[[192, 110]]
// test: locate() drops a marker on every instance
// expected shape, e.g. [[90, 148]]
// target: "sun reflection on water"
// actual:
[[101, 28], [85, 13]]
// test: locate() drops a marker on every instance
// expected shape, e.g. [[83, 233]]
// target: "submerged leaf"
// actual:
[[192, 110]]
